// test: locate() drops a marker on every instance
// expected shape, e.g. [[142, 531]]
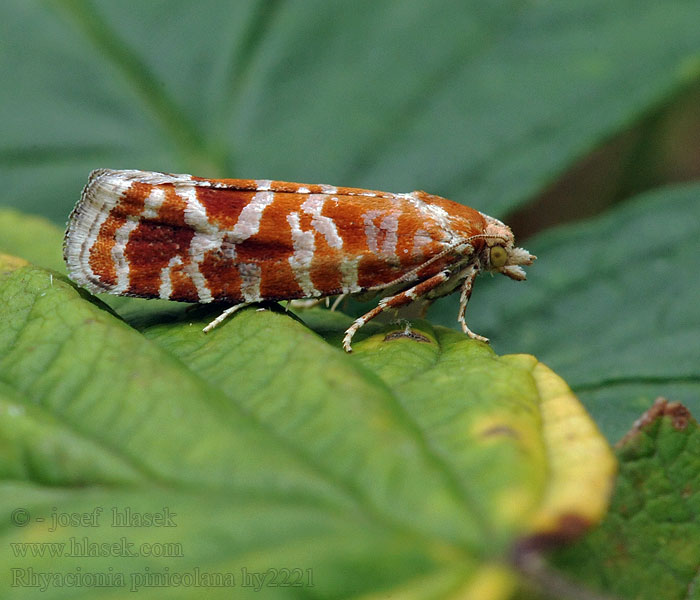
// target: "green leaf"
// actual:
[[648, 547], [260, 447], [610, 304], [481, 102]]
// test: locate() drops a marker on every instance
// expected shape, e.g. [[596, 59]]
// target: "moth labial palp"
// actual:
[[242, 241]]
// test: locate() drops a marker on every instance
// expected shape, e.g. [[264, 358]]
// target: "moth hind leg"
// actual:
[[401, 299], [224, 315]]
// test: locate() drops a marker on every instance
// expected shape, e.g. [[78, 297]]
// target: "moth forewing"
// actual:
[[239, 241]]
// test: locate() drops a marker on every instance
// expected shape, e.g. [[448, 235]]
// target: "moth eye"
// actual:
[[498, 256]]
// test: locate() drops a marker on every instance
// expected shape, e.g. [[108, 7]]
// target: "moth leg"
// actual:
[[400, 299], [305, 303], [472, 272], [224, 315], [337, 302]]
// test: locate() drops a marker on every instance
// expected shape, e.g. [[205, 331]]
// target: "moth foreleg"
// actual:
[[224, 315], [471, 273], [401, 299]]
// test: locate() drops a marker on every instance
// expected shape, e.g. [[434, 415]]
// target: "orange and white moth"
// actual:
[[239, 241]]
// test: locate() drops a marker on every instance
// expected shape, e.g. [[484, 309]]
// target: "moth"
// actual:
[[240, 241]]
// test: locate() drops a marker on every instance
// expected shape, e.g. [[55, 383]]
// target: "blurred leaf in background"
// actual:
[[485, 103], [539, 113]]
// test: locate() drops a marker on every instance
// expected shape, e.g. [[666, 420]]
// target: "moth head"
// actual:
[[500, 255]]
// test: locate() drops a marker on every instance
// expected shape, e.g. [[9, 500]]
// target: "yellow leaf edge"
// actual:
[[582, 467], [9, 263]]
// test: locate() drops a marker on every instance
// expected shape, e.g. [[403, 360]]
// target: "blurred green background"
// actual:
[[487, 103], [539, 113], [576, 122]]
